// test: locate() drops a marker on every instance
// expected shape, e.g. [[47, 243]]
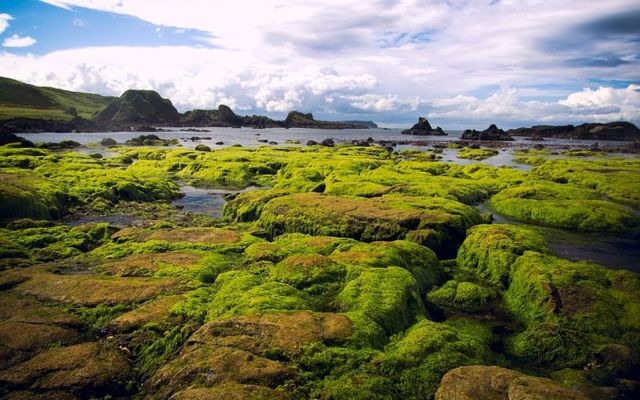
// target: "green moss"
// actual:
[[562, 205], [242, 292], [476, 154], [617, 179], [27, 195], [296, 243], [489, 251], [577, 305], [435, 222], [419, 260], [98, 317], [387, 296], [462, 296]]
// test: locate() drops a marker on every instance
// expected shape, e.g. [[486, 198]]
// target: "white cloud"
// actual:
[[80, 23], [19, 41], [4, 21]]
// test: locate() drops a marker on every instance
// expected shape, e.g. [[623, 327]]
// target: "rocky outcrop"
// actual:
[[491, 133], [31, 125], [8, 137], [481, 382], [296, 119], [364, 124], [423, 127], [621, 130], [139, 107]]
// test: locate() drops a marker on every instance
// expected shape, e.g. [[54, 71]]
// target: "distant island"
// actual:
[[26, 108]]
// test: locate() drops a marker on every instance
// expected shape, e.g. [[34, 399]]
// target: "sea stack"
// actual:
[[423, 127]]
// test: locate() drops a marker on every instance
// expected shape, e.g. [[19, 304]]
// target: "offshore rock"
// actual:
[[491, 133], [423, 127]]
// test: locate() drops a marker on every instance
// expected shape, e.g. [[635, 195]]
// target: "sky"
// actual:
[[460, 63]]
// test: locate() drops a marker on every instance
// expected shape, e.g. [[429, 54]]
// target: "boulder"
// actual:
[[480, 382]]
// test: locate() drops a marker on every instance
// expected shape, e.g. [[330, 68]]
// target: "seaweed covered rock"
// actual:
[[489, 251], [27, 326], [463, 296], [570, 308], [479, 382], [435, 222], [246, 350], [476, 154], [27, 195], [618, 180], [563, 206], [84, 370]]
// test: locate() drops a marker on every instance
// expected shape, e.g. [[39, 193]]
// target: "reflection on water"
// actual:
[[205, 201]]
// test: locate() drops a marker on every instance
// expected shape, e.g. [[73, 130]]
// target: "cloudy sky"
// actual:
[[461, 63]]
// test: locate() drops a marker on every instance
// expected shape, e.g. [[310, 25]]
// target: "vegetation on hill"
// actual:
[[21, 100]]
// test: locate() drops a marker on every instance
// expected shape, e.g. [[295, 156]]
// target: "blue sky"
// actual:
[[461, 63]]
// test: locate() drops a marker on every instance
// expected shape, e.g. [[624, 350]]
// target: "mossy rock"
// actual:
[[570, 308], [489, 251], [477, 154], [497, 383], [419, 260], [90, 291], [237, 349], [27, 326], [27, 195], [434, 222], [380, 302], [83, 370], [562, 206], [463, 296]]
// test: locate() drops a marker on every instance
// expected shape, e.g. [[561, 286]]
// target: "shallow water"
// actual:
[[205, 201], [616, 251]]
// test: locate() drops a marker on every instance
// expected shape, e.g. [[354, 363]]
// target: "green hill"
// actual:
[[18, 99], [139, 106]]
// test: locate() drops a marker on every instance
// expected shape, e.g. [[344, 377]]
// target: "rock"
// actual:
[[481, 382], [242, 350], [63, 145], [7, 137], [296, 119], [203, 147], [491, 133], [620, 130], [86, 370], [263, 141], [108, 142], [423, 127], [219, 143], [327, 143], [311, 143], [227, 116]]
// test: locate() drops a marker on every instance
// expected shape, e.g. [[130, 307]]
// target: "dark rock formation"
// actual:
[[203, 147], [108, 142], [7, 137], [423, 127], [621, 130], [491, 133], [328, 143], [296, 119], [364, 124], [139, 107], [30, 125], [228, 117]]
